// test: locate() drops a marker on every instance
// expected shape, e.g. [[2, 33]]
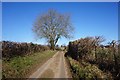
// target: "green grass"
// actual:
[[19, 66], [86, 70]]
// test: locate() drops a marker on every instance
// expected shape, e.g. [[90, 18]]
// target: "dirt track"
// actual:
[[55, 67]]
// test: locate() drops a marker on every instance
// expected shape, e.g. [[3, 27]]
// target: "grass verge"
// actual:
[[86, 70], [21, 67]]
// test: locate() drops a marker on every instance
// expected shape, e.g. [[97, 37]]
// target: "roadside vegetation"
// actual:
[[22, 66], [86, 70], [19, 67], [88, 58], [13, 49]]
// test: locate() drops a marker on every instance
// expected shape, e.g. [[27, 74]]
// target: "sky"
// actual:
[[88, 19]]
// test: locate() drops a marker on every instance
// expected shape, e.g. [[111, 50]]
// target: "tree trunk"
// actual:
[[52, 45]]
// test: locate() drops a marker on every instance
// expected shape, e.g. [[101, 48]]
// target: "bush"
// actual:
[[106, 57], [80, 48], [11, 49]]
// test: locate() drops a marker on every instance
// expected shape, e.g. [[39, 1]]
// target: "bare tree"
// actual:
[[52, 26], [97, 41]]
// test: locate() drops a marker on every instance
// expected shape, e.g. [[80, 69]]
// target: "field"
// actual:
[[19, 67]]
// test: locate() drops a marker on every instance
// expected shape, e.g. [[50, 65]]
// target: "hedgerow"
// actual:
[[12, 49], [89, 50]]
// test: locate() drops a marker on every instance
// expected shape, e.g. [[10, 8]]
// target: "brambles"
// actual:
[[11, 49]]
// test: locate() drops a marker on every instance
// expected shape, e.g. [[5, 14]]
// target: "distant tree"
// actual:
[[98, 40], [52, 26]]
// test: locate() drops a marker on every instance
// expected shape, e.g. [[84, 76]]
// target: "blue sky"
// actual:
[[88, 19]]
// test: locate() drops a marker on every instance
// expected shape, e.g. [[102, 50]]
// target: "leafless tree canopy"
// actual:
[[52, 26]]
